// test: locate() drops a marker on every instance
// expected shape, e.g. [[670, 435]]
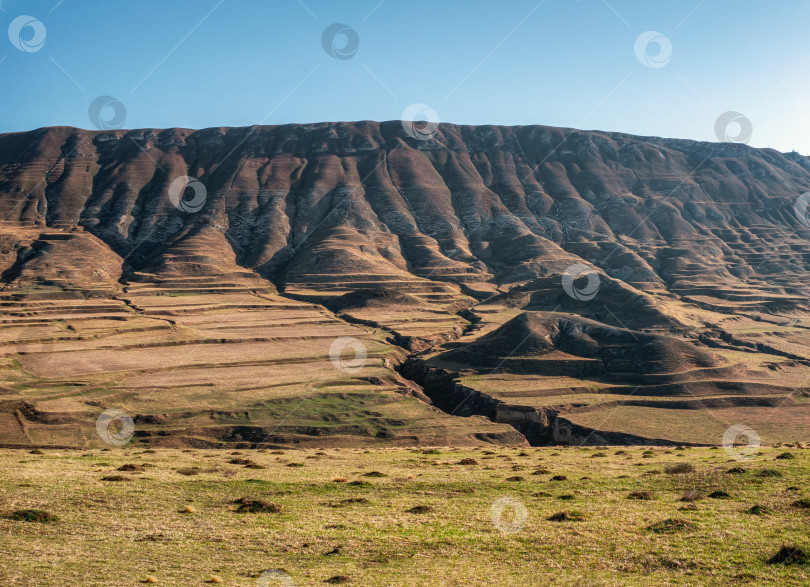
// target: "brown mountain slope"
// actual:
[[621, 352], [323, 230], [302, 203]]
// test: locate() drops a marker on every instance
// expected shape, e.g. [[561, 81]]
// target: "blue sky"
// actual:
[[201, 63]]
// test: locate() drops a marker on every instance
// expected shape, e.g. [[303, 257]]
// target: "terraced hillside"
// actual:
[[345, 284]]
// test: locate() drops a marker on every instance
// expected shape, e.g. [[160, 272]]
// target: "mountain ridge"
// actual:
[[260, 255], [336, 123], [528, 194]]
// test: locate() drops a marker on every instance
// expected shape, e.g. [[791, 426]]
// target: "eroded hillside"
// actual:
[[210, 315]]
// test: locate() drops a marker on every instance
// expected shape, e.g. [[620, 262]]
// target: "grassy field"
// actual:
[[421, 516]]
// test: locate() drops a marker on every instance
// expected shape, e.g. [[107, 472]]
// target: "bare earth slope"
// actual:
[[212, 320]]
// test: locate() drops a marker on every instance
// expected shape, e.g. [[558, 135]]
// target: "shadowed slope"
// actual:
[[537, 336]]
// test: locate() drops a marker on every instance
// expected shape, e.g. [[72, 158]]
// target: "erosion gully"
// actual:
[[540, 426]]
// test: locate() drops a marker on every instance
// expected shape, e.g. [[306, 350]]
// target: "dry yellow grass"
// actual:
[[351, 513]]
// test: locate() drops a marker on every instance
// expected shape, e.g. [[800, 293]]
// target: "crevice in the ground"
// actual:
[[540, 426]]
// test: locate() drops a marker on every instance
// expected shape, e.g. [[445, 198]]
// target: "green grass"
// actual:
[[32, 515], [427, 521]]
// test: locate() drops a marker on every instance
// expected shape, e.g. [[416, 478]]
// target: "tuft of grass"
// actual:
[[419, 509], [803, 503], [376, 474], [789, 555], [253, 506], [679, 469], [769, 473], [567, 516], [355, 500], [131, 468], [640, 495], [735, 471], [189, 471], [670, 526], [115, 478], [719, 495], [559, 478], [468, 461], [33, 515], [691, 495], [785, 456], [349, 501], [759, 510]]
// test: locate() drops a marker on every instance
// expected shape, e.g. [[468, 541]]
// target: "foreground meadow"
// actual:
[[506, 516]]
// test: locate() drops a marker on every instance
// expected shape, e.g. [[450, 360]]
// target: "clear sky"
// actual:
[[201, 63]]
